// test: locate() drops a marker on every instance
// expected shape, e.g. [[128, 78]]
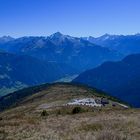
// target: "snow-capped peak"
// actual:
[[6, 38], [56, 35]]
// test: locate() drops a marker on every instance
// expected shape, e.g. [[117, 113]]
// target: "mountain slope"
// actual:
[[46, 115], [58, 91], [126, 45], [120, 79], [21, 71], [76, 52]]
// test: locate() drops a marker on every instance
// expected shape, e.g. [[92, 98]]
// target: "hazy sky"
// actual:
[[73, 17]]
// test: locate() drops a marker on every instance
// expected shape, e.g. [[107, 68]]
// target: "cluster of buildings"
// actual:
[[90, 102]]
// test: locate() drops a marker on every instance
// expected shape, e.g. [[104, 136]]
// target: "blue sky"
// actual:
[[73, 17]]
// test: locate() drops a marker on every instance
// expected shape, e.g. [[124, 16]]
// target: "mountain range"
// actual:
[[120, 79], [76, 52], [125, 44]]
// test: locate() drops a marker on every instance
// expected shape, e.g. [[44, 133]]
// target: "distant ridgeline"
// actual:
[[59, 48], [120, 79], [126, 45]]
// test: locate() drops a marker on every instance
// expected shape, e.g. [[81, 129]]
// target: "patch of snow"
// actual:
[[125, 106]]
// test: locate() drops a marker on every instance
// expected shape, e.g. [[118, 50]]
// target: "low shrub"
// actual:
[[58, 112], [44, 113], [77, 110]]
